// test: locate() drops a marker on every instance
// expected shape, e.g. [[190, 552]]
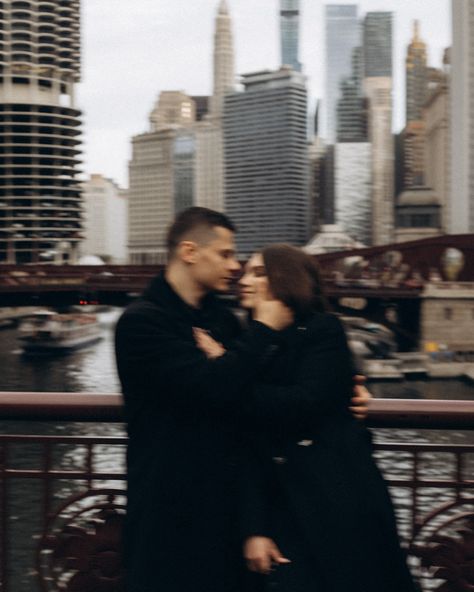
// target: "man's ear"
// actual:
[[187, 251]]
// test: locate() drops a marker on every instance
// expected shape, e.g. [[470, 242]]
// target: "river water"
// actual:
[[93, 370]]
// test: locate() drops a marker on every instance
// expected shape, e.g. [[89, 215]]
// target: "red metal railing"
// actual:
[[62, 496]]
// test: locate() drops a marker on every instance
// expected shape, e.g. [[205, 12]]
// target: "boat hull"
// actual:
[[38, 347]]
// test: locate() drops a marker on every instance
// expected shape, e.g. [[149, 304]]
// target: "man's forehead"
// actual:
[[223, 236]]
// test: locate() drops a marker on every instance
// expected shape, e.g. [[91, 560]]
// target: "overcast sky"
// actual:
[[132, 50]]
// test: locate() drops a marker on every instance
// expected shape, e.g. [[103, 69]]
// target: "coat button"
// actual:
[[279, 460], [305, 443]]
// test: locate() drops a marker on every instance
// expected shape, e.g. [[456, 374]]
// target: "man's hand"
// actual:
[[261, 554], [361, 399]]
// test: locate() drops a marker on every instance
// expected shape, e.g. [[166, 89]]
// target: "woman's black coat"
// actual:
[[183, 419], [309, 479]]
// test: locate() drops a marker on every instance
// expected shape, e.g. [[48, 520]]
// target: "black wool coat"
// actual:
[[183, 418], [309, 480]]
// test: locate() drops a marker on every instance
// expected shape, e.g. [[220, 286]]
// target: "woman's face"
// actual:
[[254, 283]]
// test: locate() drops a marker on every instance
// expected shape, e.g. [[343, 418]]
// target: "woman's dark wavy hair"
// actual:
[[294, 278]]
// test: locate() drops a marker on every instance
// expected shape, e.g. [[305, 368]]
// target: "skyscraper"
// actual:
[[161, 176], [266, 159], [378, 90], [351, 120], [353, 157], [378, 44], [224, 75], [462, 118], [438, 139], [209, 175], [353, 189], [342, 36], [289, 33], [416, 76], [40, 195], [412, 138]]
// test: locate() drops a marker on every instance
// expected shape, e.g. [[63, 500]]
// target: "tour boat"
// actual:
[[51, 332]]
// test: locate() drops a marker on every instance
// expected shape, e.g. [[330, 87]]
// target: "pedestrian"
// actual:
[[316, 514]]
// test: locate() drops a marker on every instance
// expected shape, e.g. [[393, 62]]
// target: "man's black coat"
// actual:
[[182, 413]]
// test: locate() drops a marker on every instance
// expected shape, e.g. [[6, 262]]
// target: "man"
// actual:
[[184, 413]]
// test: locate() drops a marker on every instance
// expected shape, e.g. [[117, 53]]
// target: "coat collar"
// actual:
[[159, 291]]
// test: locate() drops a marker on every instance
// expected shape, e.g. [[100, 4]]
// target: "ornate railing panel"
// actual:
[[62, 497]]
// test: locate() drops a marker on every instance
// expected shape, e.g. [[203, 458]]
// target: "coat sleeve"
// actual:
[[255, 491], [151, 352], [321, 387]]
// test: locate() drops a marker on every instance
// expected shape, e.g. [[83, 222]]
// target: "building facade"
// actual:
[[418, 214], [377, 44], [378, 91], [223, 59], [343, 34], [105, 220], [161, 184], [461, 216], [413, 161], [289, 33], [352, 105], [266, 160], [209, 174], [416, 76], [353, 189], [173, 107], [40, 194], [436, 115]]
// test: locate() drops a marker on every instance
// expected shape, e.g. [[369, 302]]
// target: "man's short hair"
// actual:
[[192, 224]]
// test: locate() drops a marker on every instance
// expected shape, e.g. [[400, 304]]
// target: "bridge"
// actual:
[[372, 282]]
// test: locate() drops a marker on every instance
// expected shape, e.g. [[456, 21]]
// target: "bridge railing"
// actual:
[[62, 488]]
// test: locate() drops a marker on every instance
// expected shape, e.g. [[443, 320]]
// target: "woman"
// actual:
[[314, 505]]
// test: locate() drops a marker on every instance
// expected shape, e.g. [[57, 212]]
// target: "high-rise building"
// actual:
[[436, 115], [40, 195], [224, 74], [173, 107], [289, 33], [352, 157], [411, 168], [209, 174], [461, 217], [378, 44], [343, 34], [416, 76], [413, 162], [105, 220], [378, 91], [353, 189], [352, 106], [161, 180], [266, 159]]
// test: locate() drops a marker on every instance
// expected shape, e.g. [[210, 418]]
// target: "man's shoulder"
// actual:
[[141, 310]]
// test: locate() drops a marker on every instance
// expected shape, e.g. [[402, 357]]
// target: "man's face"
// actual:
[[216, 264]]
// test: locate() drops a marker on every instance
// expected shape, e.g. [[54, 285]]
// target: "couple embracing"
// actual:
[[248, 468]]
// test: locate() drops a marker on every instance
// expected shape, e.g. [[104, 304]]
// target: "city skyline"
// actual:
[[166, 49]]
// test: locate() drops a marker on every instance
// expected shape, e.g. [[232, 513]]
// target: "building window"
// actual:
[[448, 314]]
